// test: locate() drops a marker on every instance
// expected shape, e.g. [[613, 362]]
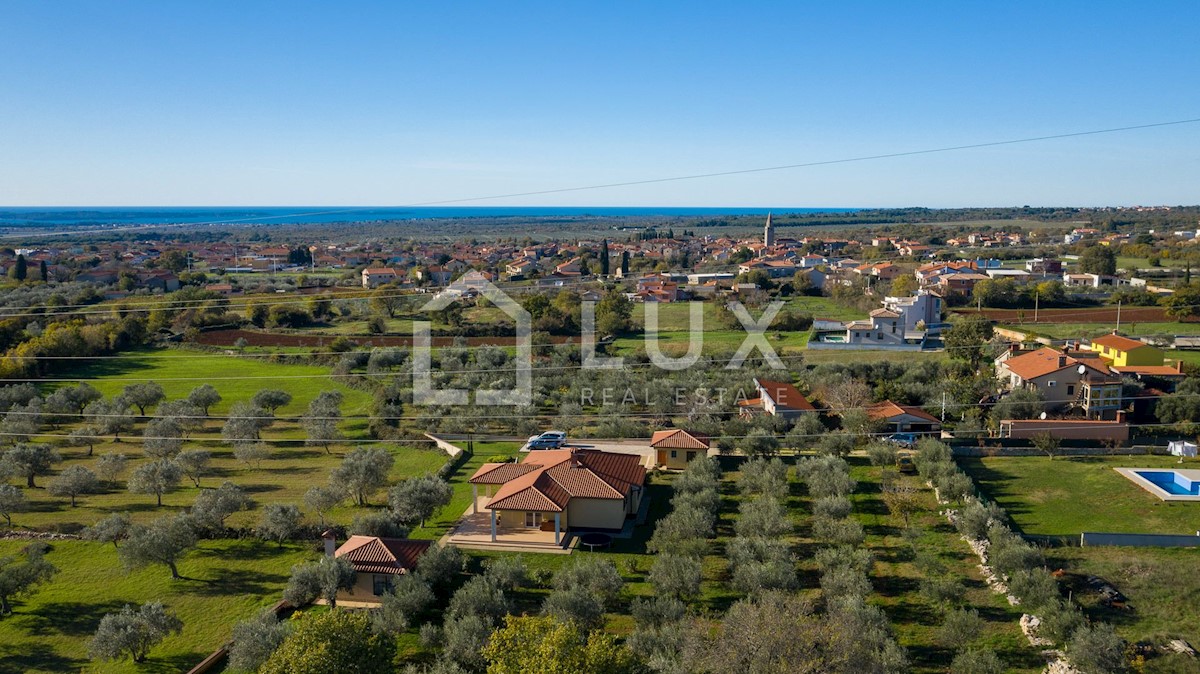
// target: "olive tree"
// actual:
[[143, 395], [194, 463], [12, 500], [271, 399], [22, 572], [27, 462], [213, 506], [163, 438], [418, 498], [204, 397], [72, 482], [254, 640], [133, 632], [322, 579], [112, 529], [164, 541], [110, 466], [279, 522], [363, 472], [156, 477]]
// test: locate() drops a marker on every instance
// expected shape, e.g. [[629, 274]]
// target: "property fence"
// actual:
[[1140, 540]]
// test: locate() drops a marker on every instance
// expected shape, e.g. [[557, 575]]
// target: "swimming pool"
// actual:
[[1167, 484]]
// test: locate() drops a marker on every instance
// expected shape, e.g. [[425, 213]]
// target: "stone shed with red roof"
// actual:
[[376, 561], [557, 490]]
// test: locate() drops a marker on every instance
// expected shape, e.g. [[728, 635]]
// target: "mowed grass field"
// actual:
[[1090, 330], [227, 581], [291, 469], [1069, 495]]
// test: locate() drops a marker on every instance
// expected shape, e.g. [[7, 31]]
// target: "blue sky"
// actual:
[[280, 103]]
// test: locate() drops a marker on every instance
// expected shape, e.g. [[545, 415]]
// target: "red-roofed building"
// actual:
[[553, 490], [377, 562], [904, 418], [1066, 379], [675, 448], [777, 398]]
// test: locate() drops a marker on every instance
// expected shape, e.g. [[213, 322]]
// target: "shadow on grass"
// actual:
[[233, 582], [69, 617], [180, 662], [27, 657]]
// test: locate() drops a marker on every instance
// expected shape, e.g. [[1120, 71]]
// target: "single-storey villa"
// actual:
[[777, 398], [553, 490], [904, 418], [675, 448], [377, 562]]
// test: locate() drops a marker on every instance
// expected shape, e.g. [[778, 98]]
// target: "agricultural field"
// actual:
[[225, 581], [1090, 330], [1068, 495]]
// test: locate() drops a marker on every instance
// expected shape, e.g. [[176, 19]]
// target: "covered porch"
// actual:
[[483, 529]]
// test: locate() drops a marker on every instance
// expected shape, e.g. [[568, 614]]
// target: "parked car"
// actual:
[[547, 440], [904, 461], [906, 440]]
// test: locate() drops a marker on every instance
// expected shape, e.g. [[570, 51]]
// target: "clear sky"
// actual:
[[394, 103]]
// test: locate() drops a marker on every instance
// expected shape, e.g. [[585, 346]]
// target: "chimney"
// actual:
[[1062, 360], [1179, 366], [330, 542]]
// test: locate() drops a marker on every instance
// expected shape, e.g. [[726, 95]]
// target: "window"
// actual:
[[1070, 390], [533, 520], [690, 456], [1051, 384], [381, 583], [674, 454]]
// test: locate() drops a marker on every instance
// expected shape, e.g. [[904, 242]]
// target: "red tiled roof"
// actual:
[[557, 476], [500, 473], [370, 554], [888, 409], [678, 439], [1150, 370], [1119, 342], [1046, 360], [784, 394]]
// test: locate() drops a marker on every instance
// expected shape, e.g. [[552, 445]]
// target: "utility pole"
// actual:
[[943, 407], [1037, 296], [1118, 315]]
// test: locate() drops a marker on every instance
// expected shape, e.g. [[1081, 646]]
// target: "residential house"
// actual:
[[377, 562], [561, 490], [962, 283], [378, 276], [1135, 358], [777, 398], [1076, 380], [1044, 267], [904, 418], [675, 448], [521, 267], [1116, 431]]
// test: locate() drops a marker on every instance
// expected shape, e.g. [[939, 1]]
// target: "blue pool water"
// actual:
[[1171, 482]]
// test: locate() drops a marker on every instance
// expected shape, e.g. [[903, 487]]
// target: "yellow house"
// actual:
[[675, 448], [377, 562], [1125, 352], [557, 489]]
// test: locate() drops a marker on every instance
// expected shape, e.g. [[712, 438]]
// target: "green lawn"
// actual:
[[1161, 584], [1069, 495], [227, 581], [236, 378]]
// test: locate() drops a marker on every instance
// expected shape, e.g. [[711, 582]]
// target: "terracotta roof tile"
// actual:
[[784, 394], [370, 554], [1119, 342], [679, 439], [559, 475], [888, 409]]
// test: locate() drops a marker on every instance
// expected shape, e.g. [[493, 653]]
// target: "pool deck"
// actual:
[[1191, 474]]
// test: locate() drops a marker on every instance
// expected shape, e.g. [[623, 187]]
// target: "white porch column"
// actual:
[[493, 526], [474, 499], [557, 528]]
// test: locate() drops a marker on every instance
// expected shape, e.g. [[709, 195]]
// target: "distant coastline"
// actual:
[[54, 216]]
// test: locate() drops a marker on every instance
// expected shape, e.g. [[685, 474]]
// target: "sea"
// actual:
[[110, 216]]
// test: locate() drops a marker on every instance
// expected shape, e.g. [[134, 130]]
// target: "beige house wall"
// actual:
[[515, 519], [597, 513]]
